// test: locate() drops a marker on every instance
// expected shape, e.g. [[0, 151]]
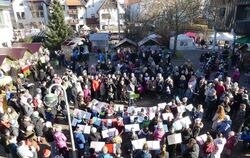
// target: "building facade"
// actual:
[[30, 14], [104, 15], [75, 13], [6, 29], [233, 14]]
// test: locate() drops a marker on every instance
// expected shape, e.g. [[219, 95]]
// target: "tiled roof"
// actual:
[[13, 53], [33, 47]]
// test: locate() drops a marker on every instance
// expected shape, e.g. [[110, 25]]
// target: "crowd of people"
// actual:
[[215, 107]]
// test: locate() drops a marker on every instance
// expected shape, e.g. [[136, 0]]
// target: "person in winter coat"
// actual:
[[209, 148], [80, 141], [220, 141], [236, 75], [224, 126], [48, 134], [192, 150], [144, 153], [61, 142], [230, 144], [240, 118], [23, 150], [94, 135], [159, 132], [144, 133]]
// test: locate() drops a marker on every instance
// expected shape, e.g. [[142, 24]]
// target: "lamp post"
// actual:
[[51, 99]]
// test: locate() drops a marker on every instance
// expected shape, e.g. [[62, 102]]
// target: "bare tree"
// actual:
[[174, 12]]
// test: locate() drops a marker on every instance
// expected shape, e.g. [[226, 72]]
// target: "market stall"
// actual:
[[183, 43]]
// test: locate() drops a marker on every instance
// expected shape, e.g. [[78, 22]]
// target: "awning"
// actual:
[[243, 40]]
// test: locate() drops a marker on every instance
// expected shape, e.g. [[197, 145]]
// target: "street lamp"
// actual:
[[51, 100]]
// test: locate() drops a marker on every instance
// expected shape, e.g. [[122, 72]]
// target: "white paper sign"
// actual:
[[174, 139], [161, 106], [177, 125], [108, 133], [153, 145], [74, 122], [86, 115], [85, 128], [109, 122], [165, 127], [189, 107], [129, 127], [97, 145], [168, 116], [185, 122], [140, 119], [118, 107], [97, 121], [201, 139], [138, 144]]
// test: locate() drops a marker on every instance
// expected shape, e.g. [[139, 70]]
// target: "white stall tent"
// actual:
[[183, 43]]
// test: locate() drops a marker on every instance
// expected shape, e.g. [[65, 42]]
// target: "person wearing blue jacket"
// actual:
[[80, 141], [225, 126]]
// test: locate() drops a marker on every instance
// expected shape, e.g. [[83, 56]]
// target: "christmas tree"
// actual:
[[57, 30]]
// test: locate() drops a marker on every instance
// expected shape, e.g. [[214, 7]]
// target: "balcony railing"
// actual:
[[73, 21], [72, 11], [243, 2]]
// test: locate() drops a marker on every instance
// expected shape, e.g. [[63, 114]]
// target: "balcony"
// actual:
[[243, 2], [73, 21], [72, 11]]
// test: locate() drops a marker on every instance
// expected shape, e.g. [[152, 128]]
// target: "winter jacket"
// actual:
[[105, 156], [80, 140], [60, 139], [143, 154]]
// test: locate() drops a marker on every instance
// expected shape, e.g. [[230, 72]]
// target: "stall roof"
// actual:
[[124, 41], [2, 57], [153, 37], [99, 37], [13, 53], [33, 47]]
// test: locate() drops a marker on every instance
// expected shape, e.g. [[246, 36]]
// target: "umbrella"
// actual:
[[245, 39], [190, 34]]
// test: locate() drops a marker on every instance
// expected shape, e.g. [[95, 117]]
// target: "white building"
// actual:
[[6, 30], [104, 14], [30, 14], [75, 12]]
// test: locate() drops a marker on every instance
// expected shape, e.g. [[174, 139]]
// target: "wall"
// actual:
[[6, 30]]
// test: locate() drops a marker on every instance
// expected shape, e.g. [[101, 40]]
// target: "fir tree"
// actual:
[[57, 29]]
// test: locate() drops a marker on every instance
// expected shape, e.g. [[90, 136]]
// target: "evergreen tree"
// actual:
[[57, 29]]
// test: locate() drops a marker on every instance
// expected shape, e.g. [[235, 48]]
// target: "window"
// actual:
[[21, 4], [41, 14], [20, 15], [106, 16], [72, 7], [20, 25], [222, 12], [92, 15]]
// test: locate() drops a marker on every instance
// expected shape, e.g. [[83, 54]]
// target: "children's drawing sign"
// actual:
[[138, 144], [177, 125], [153, 145], [97, 145], [118, 107], [74, 122], [174, 139], [109, 133], [128, 128]]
